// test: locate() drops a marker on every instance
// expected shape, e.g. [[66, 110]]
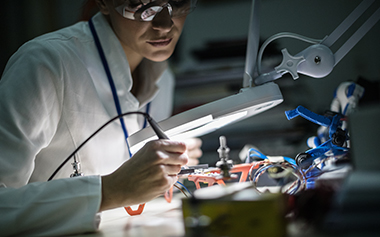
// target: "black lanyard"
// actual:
[[112, 84]]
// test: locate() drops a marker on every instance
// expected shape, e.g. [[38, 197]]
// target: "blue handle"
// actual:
[[307, 114]]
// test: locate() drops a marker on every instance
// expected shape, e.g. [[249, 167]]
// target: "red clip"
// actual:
[[138, 211], [169, 195]]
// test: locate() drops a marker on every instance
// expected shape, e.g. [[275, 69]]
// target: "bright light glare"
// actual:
[[176, 130], [211, 126], [195, 128]]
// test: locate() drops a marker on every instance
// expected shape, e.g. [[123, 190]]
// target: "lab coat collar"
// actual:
[[149, 73]]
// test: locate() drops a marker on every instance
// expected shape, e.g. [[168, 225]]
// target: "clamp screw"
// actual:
[[317, 60]]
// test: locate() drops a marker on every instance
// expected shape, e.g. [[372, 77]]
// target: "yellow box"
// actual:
[[220, 217]]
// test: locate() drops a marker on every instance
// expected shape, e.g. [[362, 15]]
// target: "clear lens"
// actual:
[[182, 7], [140, 10], [151, 12]]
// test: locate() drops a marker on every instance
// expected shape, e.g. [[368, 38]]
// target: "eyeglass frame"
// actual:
[[158, 5]]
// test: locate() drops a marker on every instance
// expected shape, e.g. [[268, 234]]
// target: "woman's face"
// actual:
[[154, 40]]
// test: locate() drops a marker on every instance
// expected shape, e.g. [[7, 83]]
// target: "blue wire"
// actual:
[[262, 156], [257, 153], [184, 187], [146, 111], [290, 160]]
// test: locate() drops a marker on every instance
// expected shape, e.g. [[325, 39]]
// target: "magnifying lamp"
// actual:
[[212, 116]]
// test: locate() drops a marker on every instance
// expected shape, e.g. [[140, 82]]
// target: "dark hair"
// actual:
[[89, 9]]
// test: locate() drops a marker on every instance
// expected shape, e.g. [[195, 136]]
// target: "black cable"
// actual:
[[160, 134]]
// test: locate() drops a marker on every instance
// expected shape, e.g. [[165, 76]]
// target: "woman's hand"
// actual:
[[193, 151], [148, 174]]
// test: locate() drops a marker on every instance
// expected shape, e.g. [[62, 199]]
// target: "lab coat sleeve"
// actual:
[[31, 100], [31, 97], [58, 207]]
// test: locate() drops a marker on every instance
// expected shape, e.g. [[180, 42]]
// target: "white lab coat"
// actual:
[[54, 93]]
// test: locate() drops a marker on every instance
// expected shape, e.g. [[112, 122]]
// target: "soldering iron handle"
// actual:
[[160, 134]]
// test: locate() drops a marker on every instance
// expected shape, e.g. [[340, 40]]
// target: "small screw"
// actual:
[[317, 60]]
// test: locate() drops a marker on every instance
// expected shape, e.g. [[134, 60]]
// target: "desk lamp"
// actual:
[[262, 93]]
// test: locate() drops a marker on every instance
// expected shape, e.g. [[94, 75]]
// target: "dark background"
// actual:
[[209, 60]]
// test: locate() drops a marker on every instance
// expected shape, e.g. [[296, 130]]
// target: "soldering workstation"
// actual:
[[270, 195], [331, 188]]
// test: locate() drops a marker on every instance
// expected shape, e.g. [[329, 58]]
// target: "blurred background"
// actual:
[[210, 57]]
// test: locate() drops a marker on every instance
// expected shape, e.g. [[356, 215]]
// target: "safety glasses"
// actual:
[[146, 10]]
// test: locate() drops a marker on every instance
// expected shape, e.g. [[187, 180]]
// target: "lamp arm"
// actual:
[[357, 36], [317, 60], [252, 44]]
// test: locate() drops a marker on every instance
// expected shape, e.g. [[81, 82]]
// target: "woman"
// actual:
[[57, 89]]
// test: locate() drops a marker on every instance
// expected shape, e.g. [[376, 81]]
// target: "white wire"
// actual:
[[282, 35]]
